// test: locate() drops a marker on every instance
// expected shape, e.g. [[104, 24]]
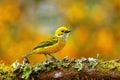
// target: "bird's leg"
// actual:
[[47, 60], [53, 57]]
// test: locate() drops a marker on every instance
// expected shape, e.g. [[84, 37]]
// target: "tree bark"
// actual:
[[65, 69]]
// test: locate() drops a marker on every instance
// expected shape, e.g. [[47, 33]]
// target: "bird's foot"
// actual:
[[25, 60], [49, 61], [54, 59]]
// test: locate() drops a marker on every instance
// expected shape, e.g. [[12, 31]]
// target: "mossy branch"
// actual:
[[65, 69]]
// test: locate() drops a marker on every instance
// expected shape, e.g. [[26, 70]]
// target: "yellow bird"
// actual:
[[52, 45]]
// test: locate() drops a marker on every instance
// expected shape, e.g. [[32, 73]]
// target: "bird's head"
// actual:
[[62, 32]]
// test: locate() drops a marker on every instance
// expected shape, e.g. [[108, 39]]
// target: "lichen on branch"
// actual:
[[64, 69]]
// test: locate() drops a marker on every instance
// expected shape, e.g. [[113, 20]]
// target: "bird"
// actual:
[[53, 44]]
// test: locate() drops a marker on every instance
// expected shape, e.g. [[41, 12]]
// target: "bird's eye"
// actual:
[[62, 31]]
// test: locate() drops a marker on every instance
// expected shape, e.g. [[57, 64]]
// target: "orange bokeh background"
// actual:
[[95, 27]]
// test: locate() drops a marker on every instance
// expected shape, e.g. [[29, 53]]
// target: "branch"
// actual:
[[65, 69]]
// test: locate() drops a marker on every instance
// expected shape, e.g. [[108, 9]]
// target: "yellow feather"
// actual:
[[60, 34], [51, 49]]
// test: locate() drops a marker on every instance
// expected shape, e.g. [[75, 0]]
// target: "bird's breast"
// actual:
[[58, 46]]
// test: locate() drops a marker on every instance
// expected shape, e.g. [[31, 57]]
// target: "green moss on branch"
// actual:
[[65, 69]]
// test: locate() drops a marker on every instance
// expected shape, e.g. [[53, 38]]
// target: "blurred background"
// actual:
[[95, 26]]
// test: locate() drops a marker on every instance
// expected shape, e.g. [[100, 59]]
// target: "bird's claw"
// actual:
[[25, 60]]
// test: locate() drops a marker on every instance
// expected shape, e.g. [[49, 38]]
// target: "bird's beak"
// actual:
[[67, 31]]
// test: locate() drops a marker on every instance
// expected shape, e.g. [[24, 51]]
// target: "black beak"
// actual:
[[67, 31]]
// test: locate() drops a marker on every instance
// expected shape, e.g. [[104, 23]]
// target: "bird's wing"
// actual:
[[49, 42]]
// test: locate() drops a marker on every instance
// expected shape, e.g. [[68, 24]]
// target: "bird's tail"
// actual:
[[28, 54], [25, 59]]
